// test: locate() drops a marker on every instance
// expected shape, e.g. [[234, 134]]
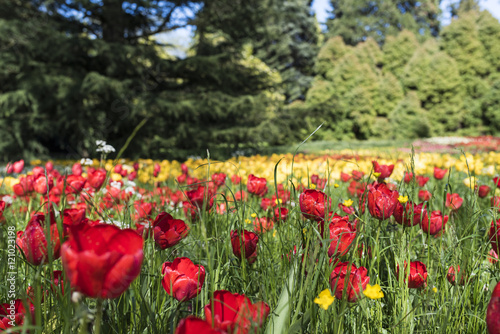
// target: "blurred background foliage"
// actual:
[[259, 73]]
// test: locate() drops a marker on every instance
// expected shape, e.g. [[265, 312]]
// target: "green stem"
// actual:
[[98, 318]]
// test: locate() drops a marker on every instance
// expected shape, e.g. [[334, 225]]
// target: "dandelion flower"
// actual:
[[402, 199], [373, 291], [324, 299]]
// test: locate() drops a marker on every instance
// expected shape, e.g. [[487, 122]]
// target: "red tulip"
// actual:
[[346, 209], [192, 324], [201, 196], [235, 313], [74, 184], [408, 177], [168, 231], [265, 203], [156, 169], [493, 256], [77, 169], [240, 195], [384, 170], [41, 185], [381, 201], [313, 204], [18, 166], [182, 279], [96, 178], [495, 235], [142, 209], [2, 209], [418, 275], [344, 177], [280, 214], [451, 276], [439, 173], [483, 191], [101, 261], [249, 239], [348, 281], [496, 181], [14, 313], [357, 175], [33, 242], [421, 180], [132, 176], [37, 171], [410, 214], [424, 195], [235, 179], [257, 185], [357, 188], [49, 166], [342, 235], [184, 169], [495, 202], [453, 201], [262, 225], [219, 179], [435, 224], [493, 312]]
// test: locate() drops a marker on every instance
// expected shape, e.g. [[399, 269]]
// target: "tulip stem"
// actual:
[[98, 318]]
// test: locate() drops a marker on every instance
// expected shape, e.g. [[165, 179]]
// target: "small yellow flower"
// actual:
[[253, 215], [376, 174], [373, 291], [434, 289], [336, 185], [116, 177], [402, 199], [274, 234], [324, 299], [312, 186], [304, 230], [348, 202], [248, 221], [279, 201]]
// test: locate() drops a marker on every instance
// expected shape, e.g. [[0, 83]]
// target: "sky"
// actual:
[[321, 8], [181, 38]]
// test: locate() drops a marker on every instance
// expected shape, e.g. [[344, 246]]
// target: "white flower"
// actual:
[[7, 199], [116, 184], [100, 143], [86, 162], [76, 297], [130, 190], [103, 147]]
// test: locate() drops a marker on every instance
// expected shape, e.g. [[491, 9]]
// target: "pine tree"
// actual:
[[357, 20]]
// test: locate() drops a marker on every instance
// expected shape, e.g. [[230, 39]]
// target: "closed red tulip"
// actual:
[[96, 178], [265, 203], [168, 231], [453, 274], [257, 185], [156, 169], [32, 242], [49, 166], [418, 275], [37, 171], [496, 181], [42, 185], [313, 204], [381, 201], [453, 201], [249, 246], [349, 281], [235, 179], [235, 313], [77, 169], [436, 223], [201, 197], [263, 224], [342, 234], [101, 261], [439, 173], [219, 179], [344, 177], [18, 166], [182, 279], [408, 177], [280, 214], [495, 236], [74, 184], [424, 195], [357, 175], [483, 191], [192, 324], [493, 312], [495, 202], [421, 180], [2, 209], [410, 214], [493, 256], [384, 171]]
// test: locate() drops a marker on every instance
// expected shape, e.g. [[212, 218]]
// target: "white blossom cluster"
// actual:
[[103, 147], [448, 140], [86, 162]]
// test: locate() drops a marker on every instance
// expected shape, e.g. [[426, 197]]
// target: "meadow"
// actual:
[[347, 241]]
